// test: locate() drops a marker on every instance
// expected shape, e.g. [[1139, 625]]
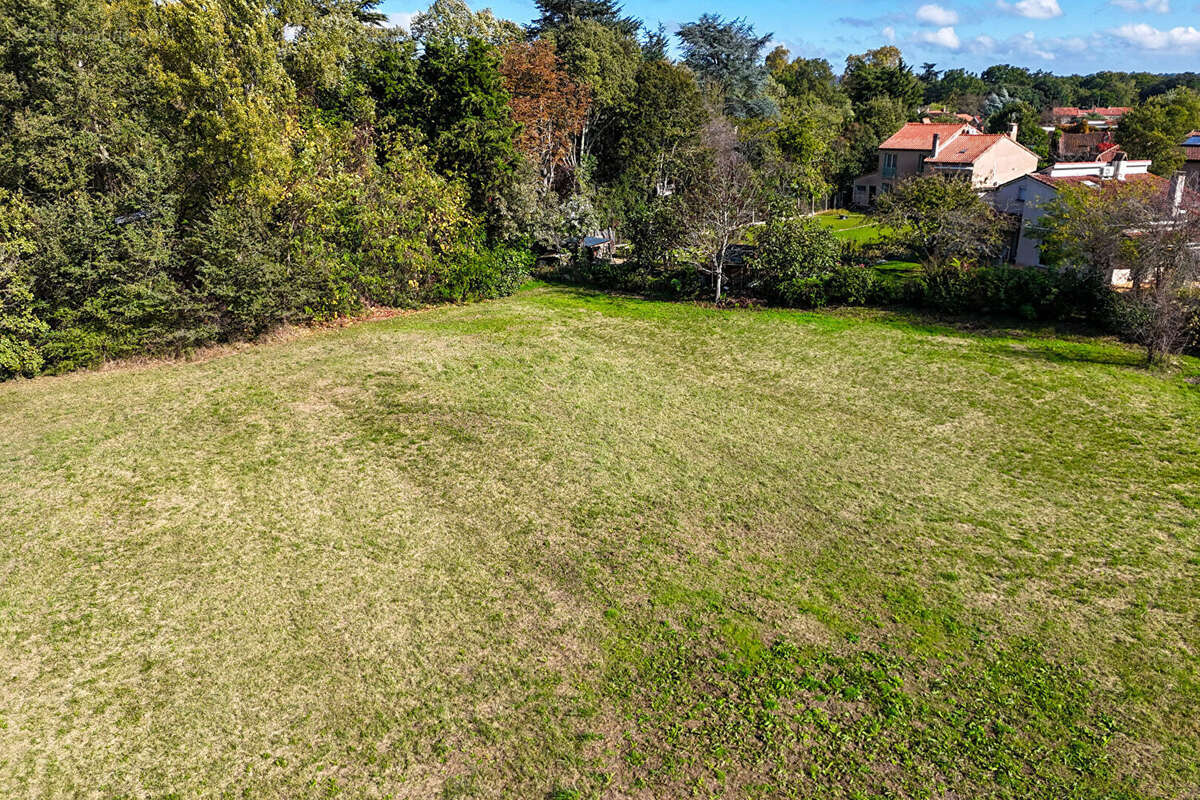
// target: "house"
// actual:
[[1081, 146], [1191, 160], [1024, 198], [1097, 117], [986, 159], [903, 155]]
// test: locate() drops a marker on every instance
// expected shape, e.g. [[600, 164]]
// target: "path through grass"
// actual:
[[569, 545]]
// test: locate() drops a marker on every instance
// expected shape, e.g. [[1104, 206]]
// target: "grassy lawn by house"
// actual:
[[570, 545], [856, 227], [859, 227]]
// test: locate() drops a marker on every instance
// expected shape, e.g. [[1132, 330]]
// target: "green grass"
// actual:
[[566, 545], [856, 227]]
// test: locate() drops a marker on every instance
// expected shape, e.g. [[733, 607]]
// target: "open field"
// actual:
[[566, 545]]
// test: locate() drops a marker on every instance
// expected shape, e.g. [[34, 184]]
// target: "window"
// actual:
[[889, 165], [885, 188], [1021, 193]]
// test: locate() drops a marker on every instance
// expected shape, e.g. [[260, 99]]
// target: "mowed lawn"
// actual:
[[566, 545]]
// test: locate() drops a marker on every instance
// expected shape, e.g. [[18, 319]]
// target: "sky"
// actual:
[[1063, 36]]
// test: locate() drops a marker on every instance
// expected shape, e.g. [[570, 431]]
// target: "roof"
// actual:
[[1102, 111], [595, 241], [1191, 154], [1192, 140], [966, 149], [1096, 180], [919, 135]]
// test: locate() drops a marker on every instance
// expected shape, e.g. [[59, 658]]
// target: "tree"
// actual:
[[1029, 129], [723, 202], [805, 78], [657, 134], [858, 144], [881, 73], [604, 59], [550, 108], [726, 56], [556, 14], [957, 88], [940, 218], [454, 21], [462, 110], [1137, 228], [1155, 128]]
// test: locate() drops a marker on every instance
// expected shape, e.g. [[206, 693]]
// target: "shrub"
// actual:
[[656, 230], [1025, 292], [483, 274], [20, 328], [798, 263]]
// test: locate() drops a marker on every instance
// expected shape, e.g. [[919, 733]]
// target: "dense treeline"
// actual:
[[179, 173]]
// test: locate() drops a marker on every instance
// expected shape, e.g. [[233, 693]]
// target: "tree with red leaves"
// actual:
[[550, 108]]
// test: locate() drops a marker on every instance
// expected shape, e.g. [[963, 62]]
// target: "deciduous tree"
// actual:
[[723, 202], [940, 218], [549, 106]]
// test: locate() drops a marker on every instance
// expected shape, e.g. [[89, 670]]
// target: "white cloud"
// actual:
[[889, 33], [938, 16], [1160, 6], [1027, 44], [401, 20], [1033, 9], [942, 37], [1148, 37]]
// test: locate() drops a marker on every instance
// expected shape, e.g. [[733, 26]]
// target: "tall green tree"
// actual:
[[1155, 128], [556, 14], [657, 134], [727, 57], [881, 73], [1029, 129]]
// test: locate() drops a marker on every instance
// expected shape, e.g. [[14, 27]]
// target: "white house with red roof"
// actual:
[[985, 159], [1026, 197]]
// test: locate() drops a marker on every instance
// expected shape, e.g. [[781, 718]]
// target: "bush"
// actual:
[[484, 274], [798, 263], [656, 230], [1026, 292]]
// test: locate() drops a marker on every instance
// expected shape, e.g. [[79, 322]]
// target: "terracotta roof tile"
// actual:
[[1103, 111], [965, 149], [919, 136], [1191, 153]]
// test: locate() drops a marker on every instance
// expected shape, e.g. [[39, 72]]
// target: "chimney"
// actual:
[[1012, 131], [937, 140], [1176, 191], [1119, 165]]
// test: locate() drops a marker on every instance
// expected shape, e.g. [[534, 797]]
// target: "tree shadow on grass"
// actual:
[[1055, 342]]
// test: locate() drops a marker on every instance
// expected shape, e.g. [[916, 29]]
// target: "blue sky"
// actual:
[[1064, 36]]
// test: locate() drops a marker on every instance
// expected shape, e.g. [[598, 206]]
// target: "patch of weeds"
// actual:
[[706, 707]]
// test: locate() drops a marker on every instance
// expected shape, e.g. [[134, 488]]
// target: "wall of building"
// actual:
[[1026, 198], [1001, 163], [908, 163]]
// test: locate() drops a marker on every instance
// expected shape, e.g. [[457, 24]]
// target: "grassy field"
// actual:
[[566, 545]]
